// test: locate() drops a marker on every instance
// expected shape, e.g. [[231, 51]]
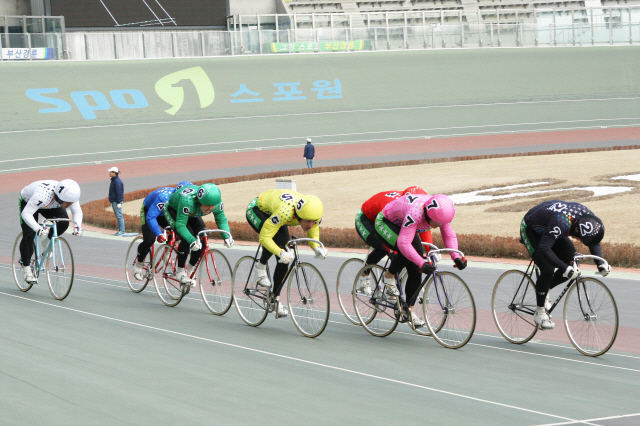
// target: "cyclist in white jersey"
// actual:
[[50, 199]]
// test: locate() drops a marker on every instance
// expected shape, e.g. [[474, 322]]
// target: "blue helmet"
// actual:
[[183, 183]]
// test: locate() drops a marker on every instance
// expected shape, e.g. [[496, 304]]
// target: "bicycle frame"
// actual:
[[40, 257]]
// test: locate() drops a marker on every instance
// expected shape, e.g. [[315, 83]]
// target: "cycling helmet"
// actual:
[[440, 208], [590, 230], [183, 183], [309, 207], [414, 190], [209, 194], [68, 191]]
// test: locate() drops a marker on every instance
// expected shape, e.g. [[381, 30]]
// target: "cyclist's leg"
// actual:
[[414, 282], [564, 249], [366, 229], [148, 238], [26, 245], [281, 238], [195, 225], [531, 241]]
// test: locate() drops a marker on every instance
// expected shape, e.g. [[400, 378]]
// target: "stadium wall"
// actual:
[[52, 94]]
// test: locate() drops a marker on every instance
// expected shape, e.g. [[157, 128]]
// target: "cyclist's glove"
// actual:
[[161, 239], [427, 268], [571, 272], [461, 263], [604, 269], [196, 245], [42, 231], [229, 242], [285, 257], [321, 253]]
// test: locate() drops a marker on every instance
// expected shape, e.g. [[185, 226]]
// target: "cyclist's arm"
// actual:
[[221, 220], [314, 233], [450, 239], [152, 220], [27, 216], [546, 243], [405, 238], [596, 251], [76, 211], [269, 229]]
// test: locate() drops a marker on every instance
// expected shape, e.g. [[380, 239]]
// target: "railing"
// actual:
[[174, 44]]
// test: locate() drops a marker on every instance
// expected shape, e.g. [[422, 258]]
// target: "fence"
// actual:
[[172, 44]]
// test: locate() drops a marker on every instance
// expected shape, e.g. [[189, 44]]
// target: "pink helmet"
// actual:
[[440, 208], [414, 190]]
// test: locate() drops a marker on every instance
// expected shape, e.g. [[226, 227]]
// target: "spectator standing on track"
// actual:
[[309, 153], [116, 197]]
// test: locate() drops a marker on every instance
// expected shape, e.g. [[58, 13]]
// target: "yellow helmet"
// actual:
[[309, 207]]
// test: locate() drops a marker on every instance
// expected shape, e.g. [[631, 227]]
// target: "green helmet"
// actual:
[[209, 194], [309, 207]]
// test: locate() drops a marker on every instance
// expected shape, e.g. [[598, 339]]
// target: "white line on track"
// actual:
[[483, 126], [622, 416], [268, 147], [300, 360], [327, 112]]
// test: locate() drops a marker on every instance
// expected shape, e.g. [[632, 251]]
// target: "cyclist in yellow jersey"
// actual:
[[270, 215]]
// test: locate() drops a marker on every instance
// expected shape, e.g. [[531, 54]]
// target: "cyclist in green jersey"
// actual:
[[184, 214]]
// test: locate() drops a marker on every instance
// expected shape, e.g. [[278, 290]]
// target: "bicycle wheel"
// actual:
[[132, 254], [449, 305], [249, 298], [591, 317], [344, 288], [18, 272], [375, 312], [169, 289], [513, 304], [216, 286], [308, 300], [60, 269]]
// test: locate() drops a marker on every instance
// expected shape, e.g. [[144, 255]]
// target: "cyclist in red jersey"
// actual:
[[365, 226]]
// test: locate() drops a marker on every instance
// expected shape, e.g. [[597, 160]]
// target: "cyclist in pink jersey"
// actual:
[[398, 225]]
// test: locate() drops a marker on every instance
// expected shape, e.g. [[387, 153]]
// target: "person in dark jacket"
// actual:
[[309, 153], [116, 197]]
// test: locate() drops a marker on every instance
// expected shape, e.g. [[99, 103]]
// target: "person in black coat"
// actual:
[[309, 153], [116, 197]]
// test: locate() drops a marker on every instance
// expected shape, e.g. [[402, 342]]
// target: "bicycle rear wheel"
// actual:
[[308, 300], [216, 286], [249, 298], [132, 255], [18, 272], [60, 269], [344, 288], [449, 310], [374, 311], [513, 304], [591, 317], [168, 288]]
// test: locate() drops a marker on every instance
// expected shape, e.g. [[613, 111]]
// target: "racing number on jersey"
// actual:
[[160, 206], [286, 197], [555, 232], [188, 191], [275, 220], [200, 193], [185, 210], [411, 199], [221, 206], [301, 203], [392, 194], [408, 221]]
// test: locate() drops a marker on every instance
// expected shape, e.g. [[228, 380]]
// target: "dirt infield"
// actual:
[[573, 176]]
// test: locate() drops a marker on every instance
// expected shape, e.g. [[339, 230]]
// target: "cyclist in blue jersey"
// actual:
[[153, 223]]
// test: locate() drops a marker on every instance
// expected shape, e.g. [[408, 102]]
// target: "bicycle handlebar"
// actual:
[[588, 256], [296, 240], [54, 220], [208, 231], [435, 249]]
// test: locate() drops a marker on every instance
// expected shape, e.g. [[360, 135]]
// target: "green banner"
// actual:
[[325, 46]]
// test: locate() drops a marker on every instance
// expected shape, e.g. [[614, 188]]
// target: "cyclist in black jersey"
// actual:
[[545, 230]]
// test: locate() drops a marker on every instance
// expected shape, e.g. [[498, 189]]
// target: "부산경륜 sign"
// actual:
[[24, 53], [325, 46]]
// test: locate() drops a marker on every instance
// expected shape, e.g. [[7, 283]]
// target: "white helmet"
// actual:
[[68, 190]]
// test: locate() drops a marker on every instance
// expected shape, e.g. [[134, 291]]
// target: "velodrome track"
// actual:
[[108, 356]]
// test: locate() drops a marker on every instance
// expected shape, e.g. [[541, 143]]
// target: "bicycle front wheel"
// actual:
[[129, 264], [60, 269], [168, 288], [449, 310], [344, 288], [513, 304], [375, 312], [308, 300], [250, 299], [216, 286], [591, 317], [18, 271]]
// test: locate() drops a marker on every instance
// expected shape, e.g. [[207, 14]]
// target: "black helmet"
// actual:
[[590, 230]]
